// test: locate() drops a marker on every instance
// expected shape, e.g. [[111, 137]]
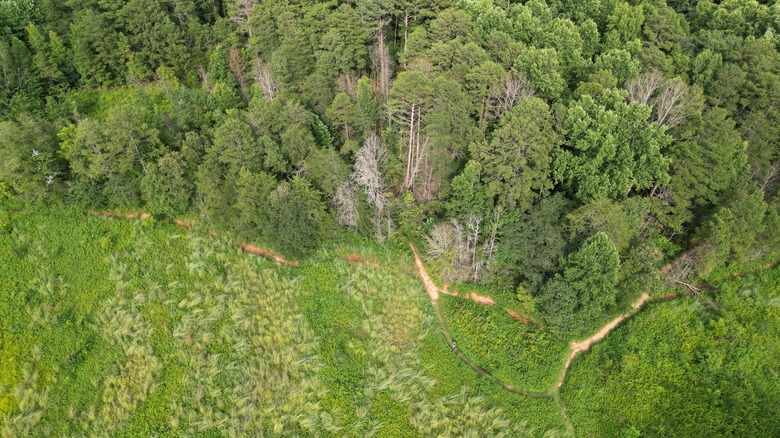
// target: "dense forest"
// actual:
[[559, 152]]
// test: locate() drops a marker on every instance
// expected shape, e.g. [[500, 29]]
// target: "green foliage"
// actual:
[[517, 354], [297, 217], [28, 161], [252, 113], [167, 331], [468, 193], [608, 217], [534, 245], [611, 149], [517, 162], [581, 295], [542, 69], [685, 360], [735, 230], [165, 188]]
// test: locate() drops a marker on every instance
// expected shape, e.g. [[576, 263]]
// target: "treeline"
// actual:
[[528, 142]]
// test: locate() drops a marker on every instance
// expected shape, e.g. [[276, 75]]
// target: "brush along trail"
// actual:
[[189, 225], [576, 347]]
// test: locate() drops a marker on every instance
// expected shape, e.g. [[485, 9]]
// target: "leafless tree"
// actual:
[[204, 77], [265, 79], [418, 144], [429, 185], [473, 224], [445, 244], [490, 245], [381, 58], [512, 90], [346, 205], [772, 176], [642, 88], [368, 175], [346, 83], [669, 105], [456, 247], [441, 240]]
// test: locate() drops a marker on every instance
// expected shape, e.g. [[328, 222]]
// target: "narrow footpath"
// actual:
[[575, 347]]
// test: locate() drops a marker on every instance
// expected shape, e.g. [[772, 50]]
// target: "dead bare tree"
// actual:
[[642, 88], [473, 224], [347, 83], [204, 77], [382, 60], [772, 176], [459, 247], [368, 175], [418, 145], [514, 89], [669, 107], [429, 186], [490, 245], [265, 79], [346, 205]]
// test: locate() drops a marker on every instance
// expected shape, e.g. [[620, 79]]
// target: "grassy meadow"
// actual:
[[114, 327], [689, 367]]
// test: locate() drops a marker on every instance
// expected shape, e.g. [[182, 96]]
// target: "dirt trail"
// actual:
[[189, 225], [582, 346], [433, 293], [576, 347], [529, 321], [430, 286]]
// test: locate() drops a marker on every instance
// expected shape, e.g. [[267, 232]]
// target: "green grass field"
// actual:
[[518, 354], [136, 328], [687, 367]]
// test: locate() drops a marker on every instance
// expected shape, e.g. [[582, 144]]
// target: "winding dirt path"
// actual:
[[430, 286], [584, 345], [576, 347], [189, 225], [433, 292]]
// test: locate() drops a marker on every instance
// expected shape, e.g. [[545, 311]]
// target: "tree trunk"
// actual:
[[384, 61], [138, 153], [409, 157]]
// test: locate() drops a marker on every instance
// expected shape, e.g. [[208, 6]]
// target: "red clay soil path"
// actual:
[[579, 347], [434, 291], [251, 249], [430, 286], [276, 258], [576, 347], [527, 320]]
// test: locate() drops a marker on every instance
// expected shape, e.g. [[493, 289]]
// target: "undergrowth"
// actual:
[[137, 328]]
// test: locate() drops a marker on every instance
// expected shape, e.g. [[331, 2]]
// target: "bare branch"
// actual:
[[242, 14], [265, 79], [669, 108], [346, 204], [642, 88], [512, 90], [368, 175], [237, 66], [381, 59], [772, 175]]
